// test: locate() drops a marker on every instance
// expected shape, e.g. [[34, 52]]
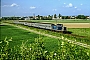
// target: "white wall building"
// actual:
[[27, 18]]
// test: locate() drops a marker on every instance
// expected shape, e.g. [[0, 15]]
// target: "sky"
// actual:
[[44, 7]]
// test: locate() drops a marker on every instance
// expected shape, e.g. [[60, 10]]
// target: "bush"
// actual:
[[36, 51]]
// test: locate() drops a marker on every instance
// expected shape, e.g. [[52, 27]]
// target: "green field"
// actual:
[[16, 34], [85, 39], [81, 31], [19, 36], [54, 48], [61, 21]]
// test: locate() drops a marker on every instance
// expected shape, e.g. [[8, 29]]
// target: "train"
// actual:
[[46, 26]]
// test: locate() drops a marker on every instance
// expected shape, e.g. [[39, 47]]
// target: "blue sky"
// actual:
[[44, 7]]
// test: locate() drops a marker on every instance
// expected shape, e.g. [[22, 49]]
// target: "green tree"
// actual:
[[55, 16], [49, 17], [59, 15], [81, 17], [42, 18], [64, 17], [38, 17]]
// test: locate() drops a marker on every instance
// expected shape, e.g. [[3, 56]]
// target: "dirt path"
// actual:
[[51, 36]]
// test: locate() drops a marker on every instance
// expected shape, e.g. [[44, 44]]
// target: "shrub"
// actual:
[[36, 51]]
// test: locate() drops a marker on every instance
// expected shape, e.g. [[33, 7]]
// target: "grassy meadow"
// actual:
[[18, 36], [31, 46], [81, 31]]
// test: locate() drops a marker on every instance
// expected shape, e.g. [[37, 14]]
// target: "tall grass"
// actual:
[[36, 51]]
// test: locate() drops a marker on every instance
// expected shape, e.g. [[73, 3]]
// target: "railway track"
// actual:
[[51, 36]]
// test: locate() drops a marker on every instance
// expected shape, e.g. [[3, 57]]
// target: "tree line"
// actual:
[[49, 17]]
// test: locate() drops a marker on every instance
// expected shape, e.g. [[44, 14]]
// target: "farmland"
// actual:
[[56, 48], [81, 31], [62, 21], [79, 38], [68, 23], [18, 36]]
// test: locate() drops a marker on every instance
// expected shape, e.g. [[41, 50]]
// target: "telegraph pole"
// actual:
[[56, 21], [34, 16]]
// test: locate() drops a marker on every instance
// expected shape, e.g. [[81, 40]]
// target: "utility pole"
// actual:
[[34, 16], [56, 21], [55, 16]]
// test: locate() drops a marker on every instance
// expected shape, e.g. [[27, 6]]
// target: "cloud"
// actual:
[[75, 7], [32, 7], [81, 4], [64, 3], [6, 6], [70, 5], [54, 10], [13, 5]]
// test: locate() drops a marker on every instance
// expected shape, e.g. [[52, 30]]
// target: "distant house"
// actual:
[[56, 18], [72, 17], [88, 17], [31, 17], [27, 18], [59, 18]]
